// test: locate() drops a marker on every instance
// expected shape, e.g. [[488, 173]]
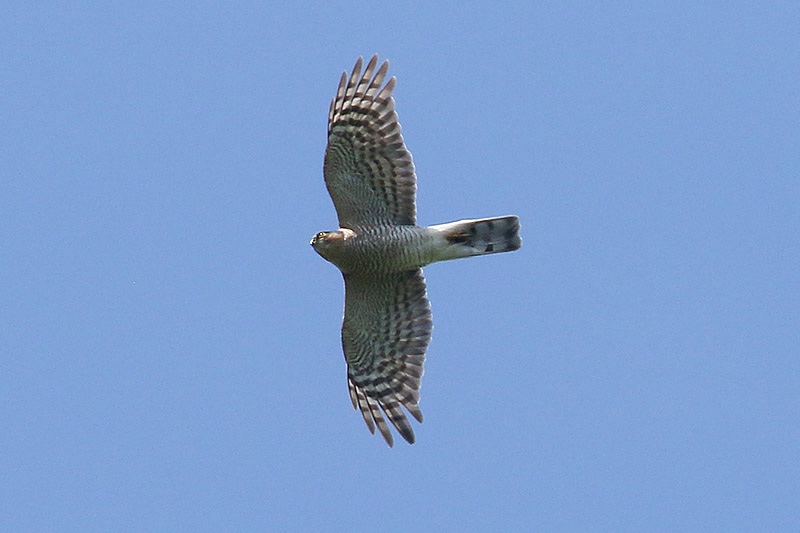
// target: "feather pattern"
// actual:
[[386, 330], [369, 172]]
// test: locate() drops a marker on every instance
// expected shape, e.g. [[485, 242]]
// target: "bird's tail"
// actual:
[[466, 238]]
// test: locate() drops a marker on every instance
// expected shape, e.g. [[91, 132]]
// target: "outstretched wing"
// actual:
[[386, 330], [368, 170]]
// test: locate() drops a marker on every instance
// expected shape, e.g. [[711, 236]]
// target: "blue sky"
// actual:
[[170, 342]]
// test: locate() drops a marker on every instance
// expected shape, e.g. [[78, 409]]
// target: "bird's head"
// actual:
[[328, 244]]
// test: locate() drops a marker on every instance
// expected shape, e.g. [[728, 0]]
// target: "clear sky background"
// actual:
[[170, 342]]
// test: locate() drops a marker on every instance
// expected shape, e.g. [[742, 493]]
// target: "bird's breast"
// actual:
[[384, 249]]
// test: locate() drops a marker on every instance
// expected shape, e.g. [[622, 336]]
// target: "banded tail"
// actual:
[[466, 238]]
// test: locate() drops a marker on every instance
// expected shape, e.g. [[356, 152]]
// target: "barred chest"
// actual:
[[378, 249]]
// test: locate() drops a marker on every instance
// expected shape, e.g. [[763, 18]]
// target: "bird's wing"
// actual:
[[386, 330], [368, 170]]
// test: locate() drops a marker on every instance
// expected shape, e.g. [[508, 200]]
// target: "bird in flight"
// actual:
[[380, 250]]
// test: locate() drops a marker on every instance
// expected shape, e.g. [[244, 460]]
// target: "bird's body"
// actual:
[[380, 249], [377, 249]]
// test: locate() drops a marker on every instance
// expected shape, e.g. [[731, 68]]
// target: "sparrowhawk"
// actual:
[[380, 249]]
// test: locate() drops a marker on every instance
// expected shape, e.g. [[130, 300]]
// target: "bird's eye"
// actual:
[[322, 234]]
